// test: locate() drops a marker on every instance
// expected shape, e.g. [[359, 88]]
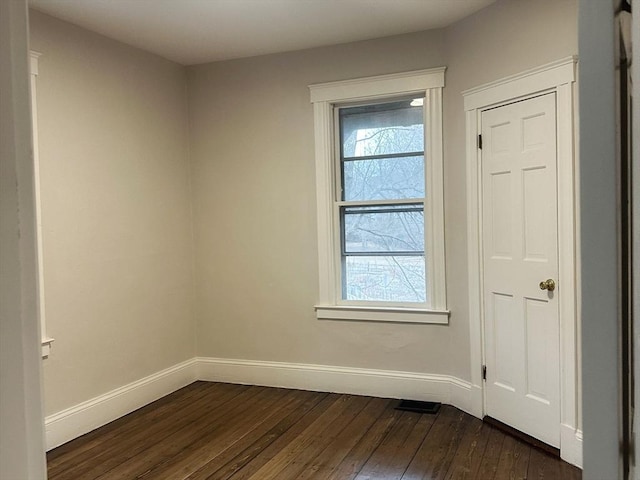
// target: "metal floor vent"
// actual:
[[418, 406]]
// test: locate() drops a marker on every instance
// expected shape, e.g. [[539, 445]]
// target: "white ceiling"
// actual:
[[199, 31]]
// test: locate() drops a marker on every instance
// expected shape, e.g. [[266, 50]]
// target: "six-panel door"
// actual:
[[520, 250]]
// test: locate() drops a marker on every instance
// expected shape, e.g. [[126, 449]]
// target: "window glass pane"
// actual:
[[388, 279], [398, 228], [383, 179], [382, 129], [382, 158]]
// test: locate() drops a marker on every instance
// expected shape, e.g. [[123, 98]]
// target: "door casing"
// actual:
[[558, 77]]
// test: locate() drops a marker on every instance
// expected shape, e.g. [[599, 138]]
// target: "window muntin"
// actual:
[[383, 229], [426, 85], [381, 207]]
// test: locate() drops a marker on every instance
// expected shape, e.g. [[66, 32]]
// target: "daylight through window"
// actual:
[[382, 202]]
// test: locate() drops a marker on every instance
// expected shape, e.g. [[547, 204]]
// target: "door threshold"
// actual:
[[534, 442]]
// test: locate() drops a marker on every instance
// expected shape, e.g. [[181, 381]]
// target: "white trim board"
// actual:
[[72, 422], [378, 86], [87, 416], [557, 77], [33, 67], [527, 83], [571, 441], [328, 378], [326, 99], [91, 414]]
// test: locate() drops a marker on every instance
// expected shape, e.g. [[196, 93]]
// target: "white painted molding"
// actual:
[[464, 396], [477, 399], [567, 256], [378, 86], [33, 62], [382, 314], [46, 346], [327, 378], [87, 416], [474, 247], [324, 199], [325, 98], [571, 441], [33, 68], [72, 422], [557, 77], [522, 84], [434, 200]]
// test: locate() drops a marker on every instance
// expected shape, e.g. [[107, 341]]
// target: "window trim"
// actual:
[[324, 97], [46, 340]]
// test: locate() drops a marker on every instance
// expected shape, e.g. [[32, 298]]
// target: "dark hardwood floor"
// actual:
[[223, 431]]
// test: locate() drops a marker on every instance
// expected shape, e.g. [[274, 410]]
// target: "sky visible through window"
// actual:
[[382, 159]]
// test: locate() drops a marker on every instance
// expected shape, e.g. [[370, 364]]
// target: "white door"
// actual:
[[520, 250]]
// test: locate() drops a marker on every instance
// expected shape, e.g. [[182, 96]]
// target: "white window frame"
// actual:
[[33, 67], [326, 97]]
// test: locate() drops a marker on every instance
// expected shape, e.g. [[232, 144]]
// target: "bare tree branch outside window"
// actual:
[[382, 159]]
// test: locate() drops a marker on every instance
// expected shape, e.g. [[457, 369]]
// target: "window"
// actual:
[[382, 202], [380, 198]]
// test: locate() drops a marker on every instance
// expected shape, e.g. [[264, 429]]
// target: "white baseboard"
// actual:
[[571, 445], [326, 378], [87, 416], [473, 399], [80, 419]]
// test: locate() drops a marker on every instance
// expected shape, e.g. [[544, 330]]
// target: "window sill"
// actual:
[[46, 346], [382, 314]]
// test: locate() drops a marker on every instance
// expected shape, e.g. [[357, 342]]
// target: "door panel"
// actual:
[[501, 242], [535, 243], [507, 370], [519, 251]]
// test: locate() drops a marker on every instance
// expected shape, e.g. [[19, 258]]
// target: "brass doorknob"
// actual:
[[548, 284]]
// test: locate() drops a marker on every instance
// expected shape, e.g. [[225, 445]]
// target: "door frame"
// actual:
[[557, 77]]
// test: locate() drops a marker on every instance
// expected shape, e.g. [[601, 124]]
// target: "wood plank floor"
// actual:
[[237, 432]]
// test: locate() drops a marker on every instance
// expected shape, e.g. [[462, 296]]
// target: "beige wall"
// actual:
[[116, 212], [252, 150], [251, 128], [119, 131], [504, 39]]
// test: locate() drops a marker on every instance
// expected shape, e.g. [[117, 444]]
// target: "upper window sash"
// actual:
[[325, 98]]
